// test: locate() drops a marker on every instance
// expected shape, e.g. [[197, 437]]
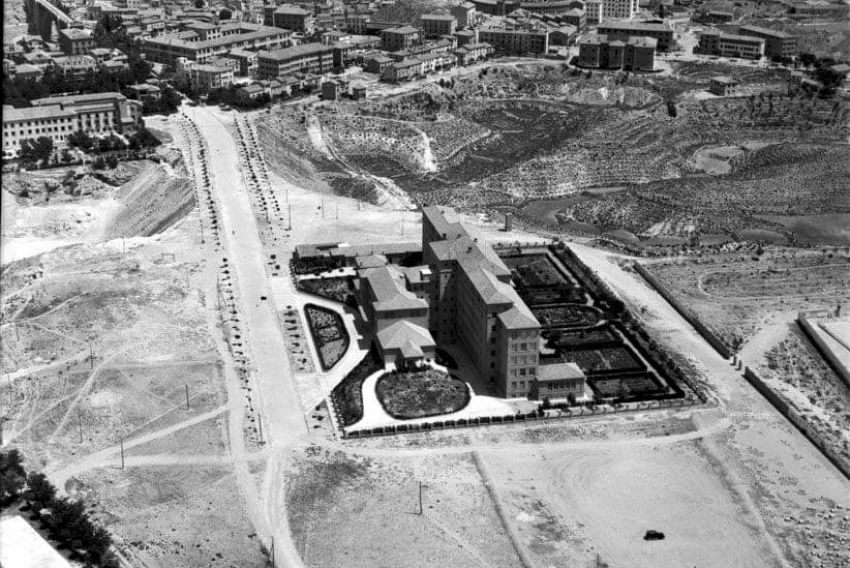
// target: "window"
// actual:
[[522, 372]]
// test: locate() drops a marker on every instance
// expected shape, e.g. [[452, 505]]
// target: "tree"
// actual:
[[35, 151], [199, 4], [40, 492], [807, 59], [225, 14], [80, 139], [13, 478]]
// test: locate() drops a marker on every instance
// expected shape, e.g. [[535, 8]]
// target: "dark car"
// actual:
[[653, 535]]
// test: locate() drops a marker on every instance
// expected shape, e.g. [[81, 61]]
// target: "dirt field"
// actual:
[[369, 509], [738, 296], [177, 516], [119, 273]]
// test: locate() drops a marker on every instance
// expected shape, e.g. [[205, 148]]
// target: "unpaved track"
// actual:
[[282, 414]]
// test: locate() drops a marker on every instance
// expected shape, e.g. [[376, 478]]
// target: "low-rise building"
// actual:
[[204, 77], [723, 86], [559, 381], [464, 14], [58, 117], [776, 43], [75, 68], [240, 35], [293, 18], [404, 70], [437, 25], [307, 58], [517, 41], [76, 41], [395, 39], [619, 9], [378, 63], [472, 52], [662, 33], [246, 61], [730, 45]]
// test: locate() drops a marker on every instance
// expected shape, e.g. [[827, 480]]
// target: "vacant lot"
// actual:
[[351, 512], [780, 281], [180, 517]]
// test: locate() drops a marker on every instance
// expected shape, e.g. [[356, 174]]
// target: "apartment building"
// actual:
[[58, 117], [464, 14], [515, 40], [307, 58], [619, 9], [473, 303], [472, 52], [246, 61], [593, 11], [167, 49], [204, 77], [662, 33], [730, 45], [75, 68], [436, 25], [601, 52], [403, 70], [290, 17], [395, 39], [76, 41], [776, 43]]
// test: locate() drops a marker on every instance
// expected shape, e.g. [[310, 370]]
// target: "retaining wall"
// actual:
[[826, 352], [799, 421], [689, 316]]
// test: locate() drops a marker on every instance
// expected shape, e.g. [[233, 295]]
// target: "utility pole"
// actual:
[[420, 498], [122, 453], [289, 209], [80, 422], [187, 397], [91, 355], [260, 424]]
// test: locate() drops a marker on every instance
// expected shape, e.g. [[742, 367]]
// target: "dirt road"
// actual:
[[278, 400]]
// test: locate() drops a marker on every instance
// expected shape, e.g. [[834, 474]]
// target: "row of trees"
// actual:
[[65, 521], [40, 151]]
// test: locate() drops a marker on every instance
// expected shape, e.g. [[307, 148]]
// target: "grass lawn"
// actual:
[[423, 393]]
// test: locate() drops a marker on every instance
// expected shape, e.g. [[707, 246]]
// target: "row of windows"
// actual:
[[523, 359], [524, 371]]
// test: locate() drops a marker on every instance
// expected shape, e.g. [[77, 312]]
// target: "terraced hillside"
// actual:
[[512, 135]]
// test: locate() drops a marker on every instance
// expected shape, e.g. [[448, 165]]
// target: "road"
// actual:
[[281, 411]]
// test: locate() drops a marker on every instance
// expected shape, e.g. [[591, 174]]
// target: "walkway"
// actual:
[[375, 416]]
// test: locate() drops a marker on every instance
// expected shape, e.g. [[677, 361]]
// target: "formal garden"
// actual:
[[420, 393], [602, 338], [339, 289], [329, 334]]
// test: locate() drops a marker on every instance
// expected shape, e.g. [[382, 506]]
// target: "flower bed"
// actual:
[[627, 388], [604, 360], [568, 316], [570, 339], [534, 270], [336, 289], [348, 394], [419, 394], [329, 334]]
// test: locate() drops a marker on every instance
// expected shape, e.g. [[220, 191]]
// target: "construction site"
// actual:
[[160, 360]]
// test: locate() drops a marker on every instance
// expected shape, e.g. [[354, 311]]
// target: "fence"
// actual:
[[798, 421], [452, 424], [689, 316]]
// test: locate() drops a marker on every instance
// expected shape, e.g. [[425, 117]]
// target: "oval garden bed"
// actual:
[[420, 394]]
